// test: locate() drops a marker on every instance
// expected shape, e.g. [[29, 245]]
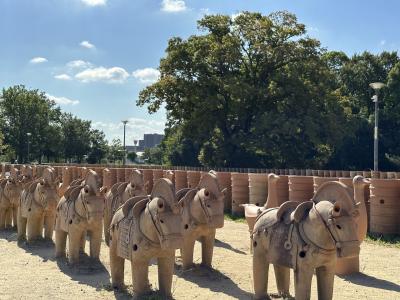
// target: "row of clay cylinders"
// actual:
[[109, 177], [225, 181], [240, 192], [181, 180], [148, 179], [318, 181], [258, 188], [385, 206], [301, 188], [278, 190], [193, 178]]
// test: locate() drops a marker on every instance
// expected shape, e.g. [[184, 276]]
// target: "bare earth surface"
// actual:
[[31, 272]]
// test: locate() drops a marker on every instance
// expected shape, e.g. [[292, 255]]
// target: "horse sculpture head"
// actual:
[[45, 190], [13, 189], [91, 197], [329, 226], [206, 202], [136, 186], [161, 215]]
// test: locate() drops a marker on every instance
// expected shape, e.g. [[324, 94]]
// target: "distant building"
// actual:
[[150, 140]]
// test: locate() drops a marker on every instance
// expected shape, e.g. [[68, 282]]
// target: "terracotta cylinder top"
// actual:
[[258, 188], [318, 181], [193, 178], [385, 206], [157, 174], [180, 180], [301, 188], [224, 181], [240, 192], [148, 179]]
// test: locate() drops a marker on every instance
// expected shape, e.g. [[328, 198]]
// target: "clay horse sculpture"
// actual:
[[203, 214], [305, 237], [118, 195], [80, 211], [143, 228], [37, 207]]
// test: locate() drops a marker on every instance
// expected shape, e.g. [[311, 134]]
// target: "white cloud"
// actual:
[[173, 6], [62, 100], [38, 60], [77, 64], [94, 2], [110, 75], [382, 43], [63, 77], [314, 29], [146, 75], [135, 129], [234, 16], [87, 44]]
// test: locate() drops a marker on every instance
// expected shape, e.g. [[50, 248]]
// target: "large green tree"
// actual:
[[27, 111], [249, 91]]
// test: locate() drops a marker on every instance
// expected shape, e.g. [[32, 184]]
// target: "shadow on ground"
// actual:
[[371, 281], [224, 245], [214, 280]]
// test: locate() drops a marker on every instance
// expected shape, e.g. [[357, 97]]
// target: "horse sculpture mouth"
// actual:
[[348, 249]]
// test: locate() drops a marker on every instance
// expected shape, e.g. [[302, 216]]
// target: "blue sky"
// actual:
[[94, 56]]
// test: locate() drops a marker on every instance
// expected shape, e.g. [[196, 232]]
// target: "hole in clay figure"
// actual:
[[29, 209], [160, 205], [257, 204], [161, 221], [337, 209], [381, 201], [186, 226], [206, 193], [70, 221], [302, 254], [135, 247], [208, 205], [254, 244], [339, 227]]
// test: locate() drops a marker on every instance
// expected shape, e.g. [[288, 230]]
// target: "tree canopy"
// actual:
[[257, 91]]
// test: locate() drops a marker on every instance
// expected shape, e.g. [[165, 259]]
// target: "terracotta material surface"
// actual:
[[180, 180], [278, 190], [294, 236], [169, 174], [240, 192], [301, 188], [119, 194], [318, 181], [120, 174], [148, 179], [385, 206], [80, 215], [37, 209], [203, 213], [258, 188], [193, 178], [225, 182], [157, 174], [146, 228]]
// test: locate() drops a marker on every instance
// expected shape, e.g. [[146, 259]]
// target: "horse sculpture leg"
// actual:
[[165, 272], [187, 252], [95, 243], [325, 278], [21, 225], [49, 222], [140, 276], [61, 243], [34, 227], [260, 271], [207, 247], [116, 265], [282, 276], [74, 241], [2, 218], [302, 283], [8, 223], [15, 216]]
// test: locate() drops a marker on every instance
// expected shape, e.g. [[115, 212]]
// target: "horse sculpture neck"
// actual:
[[315, 231], [148, 227]]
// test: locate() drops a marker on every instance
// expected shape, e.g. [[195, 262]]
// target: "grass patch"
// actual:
[[236, 219], [384, 240]]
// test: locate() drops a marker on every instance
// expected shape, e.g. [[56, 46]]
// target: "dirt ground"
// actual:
[[32, 272]]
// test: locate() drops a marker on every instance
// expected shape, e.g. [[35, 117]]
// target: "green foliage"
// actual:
[[152, 156], [116, 151], [253, 91], [132, 156], [29, 117]]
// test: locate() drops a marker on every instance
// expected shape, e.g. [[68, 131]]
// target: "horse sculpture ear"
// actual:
[[137, 208], [188, 196], [301, 210]]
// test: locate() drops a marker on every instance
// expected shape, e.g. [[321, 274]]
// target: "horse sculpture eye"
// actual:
[[338, 227]]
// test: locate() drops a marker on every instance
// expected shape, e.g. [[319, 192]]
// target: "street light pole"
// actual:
[[376, 86], [28, 134], [124, 159]]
